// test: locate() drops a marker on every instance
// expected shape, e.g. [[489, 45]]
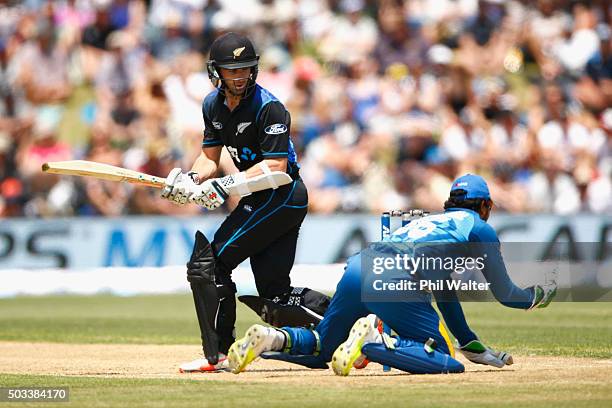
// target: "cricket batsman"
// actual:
[[254, 128], [348, 335]]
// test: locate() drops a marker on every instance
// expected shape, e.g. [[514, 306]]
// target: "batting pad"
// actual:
[[413, 359], [303, 360]]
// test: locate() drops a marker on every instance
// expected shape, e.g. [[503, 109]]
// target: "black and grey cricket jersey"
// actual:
[[257, 129]]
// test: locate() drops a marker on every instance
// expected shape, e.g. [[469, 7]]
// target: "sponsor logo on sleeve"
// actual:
[[276, 129], [217, 125]]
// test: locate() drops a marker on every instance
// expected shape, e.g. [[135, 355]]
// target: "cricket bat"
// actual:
[[103, 171]]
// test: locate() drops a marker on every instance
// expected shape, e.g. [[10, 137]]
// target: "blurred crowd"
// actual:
[[390, 100]]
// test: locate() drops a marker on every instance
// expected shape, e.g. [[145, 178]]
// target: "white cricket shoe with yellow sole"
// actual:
[[364, 331], [258, 339]]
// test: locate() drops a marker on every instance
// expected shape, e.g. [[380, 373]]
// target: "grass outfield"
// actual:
[[563, 330], [94, 392]]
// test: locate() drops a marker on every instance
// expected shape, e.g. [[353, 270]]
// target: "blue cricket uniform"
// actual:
[[414, 321]]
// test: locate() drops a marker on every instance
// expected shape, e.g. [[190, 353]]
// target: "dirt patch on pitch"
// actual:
[[161, 361]]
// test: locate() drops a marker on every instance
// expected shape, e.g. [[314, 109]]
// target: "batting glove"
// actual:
[[543, 295], [478, 353], [210, 194], [180, 186]]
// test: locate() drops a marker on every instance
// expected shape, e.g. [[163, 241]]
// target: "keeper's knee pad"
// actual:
[[413, 358]]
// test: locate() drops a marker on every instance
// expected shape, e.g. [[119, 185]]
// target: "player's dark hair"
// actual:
[[457, 200]]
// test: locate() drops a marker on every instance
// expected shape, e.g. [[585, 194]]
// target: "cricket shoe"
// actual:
[[364, 331], [362, 361], [201, 365], [258, 339]]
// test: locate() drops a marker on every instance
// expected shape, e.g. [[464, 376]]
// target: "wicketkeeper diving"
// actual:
[[349, 334]]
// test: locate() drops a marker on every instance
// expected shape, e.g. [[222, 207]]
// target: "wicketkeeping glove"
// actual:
[[478, 353], [179, 186], [543, 295]]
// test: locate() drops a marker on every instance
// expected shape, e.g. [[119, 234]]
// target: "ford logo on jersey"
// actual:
[[276, 129]]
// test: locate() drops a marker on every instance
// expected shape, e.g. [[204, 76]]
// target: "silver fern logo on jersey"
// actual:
[[242, 126], [276, 129]]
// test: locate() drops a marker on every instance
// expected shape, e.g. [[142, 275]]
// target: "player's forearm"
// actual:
[[452, 312], [205, 167], [273, 165], [502, 287]]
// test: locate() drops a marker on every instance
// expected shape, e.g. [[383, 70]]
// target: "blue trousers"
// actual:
[[414, 323]]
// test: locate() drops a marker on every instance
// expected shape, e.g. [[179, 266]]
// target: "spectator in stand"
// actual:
[[46, 195], [389, 100], [43, 68]]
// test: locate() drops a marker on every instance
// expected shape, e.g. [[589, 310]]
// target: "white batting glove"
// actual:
[[179, 186], [478, 353], [210, 194]]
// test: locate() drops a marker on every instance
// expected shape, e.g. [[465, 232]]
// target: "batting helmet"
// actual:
[[232, 51]]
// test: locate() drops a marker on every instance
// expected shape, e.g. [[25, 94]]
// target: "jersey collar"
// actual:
[[462, 209], [221, 98]]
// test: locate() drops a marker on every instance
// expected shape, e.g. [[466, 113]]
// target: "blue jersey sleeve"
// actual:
[[484, 241], [453, 316]]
